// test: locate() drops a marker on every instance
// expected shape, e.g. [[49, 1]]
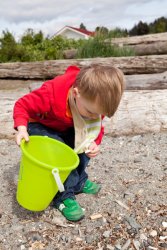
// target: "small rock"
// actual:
[[132, 222], [143, 237], [152, 248], [137, 160], [136, 244], [78, 239], [59, 221], [164, 245], [163, 237], [164, 224], [75, 231], [126, 245], [64, 238], [107, 234], [89, 239], [153, 233], [22, 247], [109, 247], [117, 247], [95, 216]]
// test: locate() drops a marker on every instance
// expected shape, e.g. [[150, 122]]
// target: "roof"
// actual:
[[86, 32], [82, 31]]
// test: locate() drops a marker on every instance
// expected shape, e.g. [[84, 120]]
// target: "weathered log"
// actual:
[[153, 44], [139, 112], [52, 68], [145, 39], [146, 82], [133, 82], [158, 48]]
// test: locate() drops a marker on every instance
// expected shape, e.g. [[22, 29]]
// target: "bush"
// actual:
[[34, 47], [98, 47]]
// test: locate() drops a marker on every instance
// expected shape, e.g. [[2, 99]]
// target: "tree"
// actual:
[[101, 31], [159, 25], [82, 26], [8, 47], [139, 29], [118, 32], [32, 38]]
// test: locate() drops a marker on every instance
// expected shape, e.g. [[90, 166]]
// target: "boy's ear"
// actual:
[[76, 92]]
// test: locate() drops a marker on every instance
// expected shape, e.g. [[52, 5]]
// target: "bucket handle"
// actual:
[[56, 175]]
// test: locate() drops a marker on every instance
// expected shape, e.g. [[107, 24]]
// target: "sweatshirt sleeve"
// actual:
[[100, 136], [30, 105]]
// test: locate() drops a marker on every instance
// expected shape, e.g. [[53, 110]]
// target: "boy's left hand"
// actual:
[[93, 150]]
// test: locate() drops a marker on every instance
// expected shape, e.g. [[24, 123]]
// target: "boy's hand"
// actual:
[[93, 150], [22, 134]]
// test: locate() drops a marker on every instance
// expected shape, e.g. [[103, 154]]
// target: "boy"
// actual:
[[70, 108]]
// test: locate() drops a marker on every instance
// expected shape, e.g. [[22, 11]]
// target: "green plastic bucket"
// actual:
[[45, 165]]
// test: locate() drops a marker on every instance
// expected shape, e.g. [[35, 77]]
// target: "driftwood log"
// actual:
[[133, 82], [145, 39], [153, 44], [50, 69], [146, 81], [139, 112]]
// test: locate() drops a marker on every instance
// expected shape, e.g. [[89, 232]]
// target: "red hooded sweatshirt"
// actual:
[[48, 104]]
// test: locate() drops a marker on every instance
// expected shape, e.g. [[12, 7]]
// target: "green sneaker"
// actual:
[[71, 210], [91, 187]]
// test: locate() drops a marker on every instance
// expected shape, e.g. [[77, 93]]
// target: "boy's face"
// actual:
[[87, 109]]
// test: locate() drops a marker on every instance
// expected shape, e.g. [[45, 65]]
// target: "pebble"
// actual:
[[164, 245], [58, 221], [107, 234], [126, 245], [164, 224], [109, 247], [143, 237], [163, 237], [75, 231], [117, 247], [132, 222], [89, 239], [78, 239], [136, 244], [153, 233]]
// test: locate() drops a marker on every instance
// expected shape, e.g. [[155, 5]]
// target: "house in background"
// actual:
[[74, 33]]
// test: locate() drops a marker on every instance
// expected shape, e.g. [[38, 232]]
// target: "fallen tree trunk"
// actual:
[[145, 39], [153, 44], [134, 82], [139, 112], [50, 69], [158, 48], [146, 81]]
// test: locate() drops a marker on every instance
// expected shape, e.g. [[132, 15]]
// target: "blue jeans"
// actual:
[[76, 180]]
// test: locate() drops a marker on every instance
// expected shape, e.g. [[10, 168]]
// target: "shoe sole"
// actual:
[[76, 219]]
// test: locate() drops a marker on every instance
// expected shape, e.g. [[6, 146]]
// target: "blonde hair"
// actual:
[[102, 83]]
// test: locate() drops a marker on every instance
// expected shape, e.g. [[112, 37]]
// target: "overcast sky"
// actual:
[[52, 15]]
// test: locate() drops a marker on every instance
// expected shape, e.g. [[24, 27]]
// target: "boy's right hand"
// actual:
[[22, 134]]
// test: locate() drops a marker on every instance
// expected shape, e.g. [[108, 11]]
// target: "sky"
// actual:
[[50, 16]]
